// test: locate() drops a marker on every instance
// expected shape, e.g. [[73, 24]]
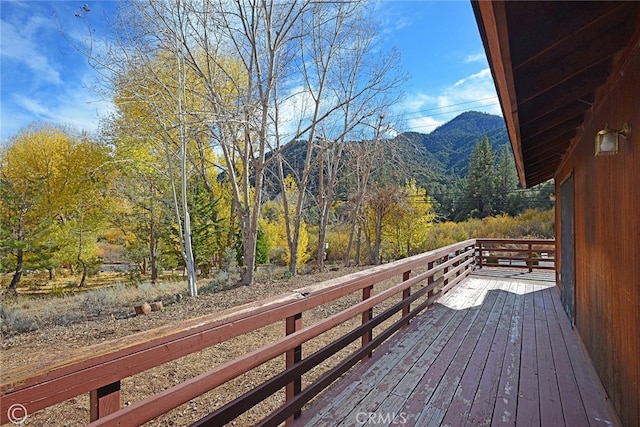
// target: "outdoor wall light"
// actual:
[[607, 140]]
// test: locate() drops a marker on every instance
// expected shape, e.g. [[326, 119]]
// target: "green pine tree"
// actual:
[[480, 183]]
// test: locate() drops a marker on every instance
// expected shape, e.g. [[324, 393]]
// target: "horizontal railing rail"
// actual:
[[517, 253], [99, 369]]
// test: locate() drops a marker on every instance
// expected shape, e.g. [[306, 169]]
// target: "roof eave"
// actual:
[[491, 19]]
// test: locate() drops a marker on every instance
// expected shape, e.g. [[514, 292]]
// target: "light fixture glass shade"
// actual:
[[606, 142]]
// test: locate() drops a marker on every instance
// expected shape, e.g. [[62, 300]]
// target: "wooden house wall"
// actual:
[[607, 238]]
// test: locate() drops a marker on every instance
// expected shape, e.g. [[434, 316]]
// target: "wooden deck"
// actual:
[[494, 351]]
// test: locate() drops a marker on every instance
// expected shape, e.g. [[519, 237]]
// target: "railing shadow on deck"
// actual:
[[99, 369]]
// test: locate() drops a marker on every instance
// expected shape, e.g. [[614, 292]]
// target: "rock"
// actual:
[[156, 306], [143, 309]]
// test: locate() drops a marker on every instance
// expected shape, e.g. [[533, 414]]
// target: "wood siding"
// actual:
[[607, 236]]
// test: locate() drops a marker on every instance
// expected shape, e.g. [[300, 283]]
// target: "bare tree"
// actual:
[[347, 83], [364, 158]]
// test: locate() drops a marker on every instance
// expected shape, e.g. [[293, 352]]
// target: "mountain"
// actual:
[[447, 149], [434, 160], [438, 162]]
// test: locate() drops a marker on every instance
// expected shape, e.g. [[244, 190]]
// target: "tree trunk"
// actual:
[[249, 260], [18, 273], [367, 238], [326, 200], [13, 286], [354, 226], [359, 246], [322, 240], [189, 260], [190, 263], [52, 273], [83, 279], [153, 246], [375, 258], [293, 264], [249, 228], [84, 265]]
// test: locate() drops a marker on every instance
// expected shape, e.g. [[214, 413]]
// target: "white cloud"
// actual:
[[293, 111], [478, 57], [32, 106], [17, 43], [418, 101], [424, 124], [43, 78], [392, 19], [424, 112], [76, 107], [478, 77]]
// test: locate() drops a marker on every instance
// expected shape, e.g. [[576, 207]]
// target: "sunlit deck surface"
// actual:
[[497, 350]]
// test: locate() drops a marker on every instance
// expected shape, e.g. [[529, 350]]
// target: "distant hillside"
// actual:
[[438, 162], [433, 159], [448, 148]]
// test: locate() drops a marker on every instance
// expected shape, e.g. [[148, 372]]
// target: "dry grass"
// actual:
[[106, 296]]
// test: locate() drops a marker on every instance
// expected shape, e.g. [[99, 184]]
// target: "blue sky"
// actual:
[[44, 78]]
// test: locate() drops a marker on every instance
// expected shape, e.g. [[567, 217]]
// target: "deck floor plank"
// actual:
[[436, 408], [494, 351], [597, 409], [414, 340], [506, 402], [481, 407], [528, 411], [572, 406], [420, 384], [550, 404]]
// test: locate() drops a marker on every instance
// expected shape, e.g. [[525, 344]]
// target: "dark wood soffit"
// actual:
[[558, 54]]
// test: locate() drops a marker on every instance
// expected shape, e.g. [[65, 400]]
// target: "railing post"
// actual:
[[479, 243], [406, 294], [104, 401], [366, 316], [445, 271], [530, 257], [293, 356], [430, 279]]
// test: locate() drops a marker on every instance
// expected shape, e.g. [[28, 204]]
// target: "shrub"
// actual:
[[535, 257], [100, 301], [14, 322], [221, 281], [229, 260], [262, 248], [59, 291]]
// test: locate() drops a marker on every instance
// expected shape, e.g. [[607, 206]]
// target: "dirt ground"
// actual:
[[55, 342]]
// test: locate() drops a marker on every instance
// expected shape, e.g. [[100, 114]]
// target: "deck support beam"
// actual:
[[293, 356], [367, 315], [104, 401]]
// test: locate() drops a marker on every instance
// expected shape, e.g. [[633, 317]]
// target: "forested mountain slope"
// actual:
[[439, 162]]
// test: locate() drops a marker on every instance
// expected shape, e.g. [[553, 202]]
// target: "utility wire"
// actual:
[[420, 112]]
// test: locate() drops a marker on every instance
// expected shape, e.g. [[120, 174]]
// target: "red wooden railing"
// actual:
[[99, 369], [516, 253]]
